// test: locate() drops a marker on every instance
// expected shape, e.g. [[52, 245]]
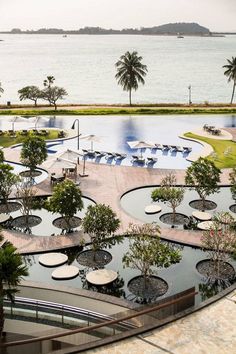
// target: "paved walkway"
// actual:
[[211, 330], [105, 184]]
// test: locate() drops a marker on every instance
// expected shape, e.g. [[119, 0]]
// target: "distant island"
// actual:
[[169, 29]]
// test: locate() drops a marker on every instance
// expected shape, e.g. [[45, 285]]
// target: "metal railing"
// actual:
[[149, 316]]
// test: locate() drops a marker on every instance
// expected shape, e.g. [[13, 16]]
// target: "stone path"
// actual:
[[105, 184], [211, 330]]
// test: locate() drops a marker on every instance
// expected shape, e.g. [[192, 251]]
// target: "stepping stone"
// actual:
[[53, 259], [65, 272], [4, 218], [101, 276], [201, 215], [152, 209], [206, 225]]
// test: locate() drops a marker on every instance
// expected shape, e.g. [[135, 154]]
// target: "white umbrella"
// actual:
[[92, 138], [57, 163], [69, 155], [139, 144], [18, 119]]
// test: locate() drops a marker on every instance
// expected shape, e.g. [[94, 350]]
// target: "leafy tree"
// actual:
[[146, 250], [52, 93], [12, 269], [203, 176], [232, 178], [26, 193], [1, 89], [169, 193], [7, 180], [100, 222], [230, 72], [220, 240], [33, 152], [1, 156], [66, 200], [49, 81], [130, 72], [32, 93]]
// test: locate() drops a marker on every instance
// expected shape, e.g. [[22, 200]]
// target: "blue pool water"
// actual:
[[115, 131]]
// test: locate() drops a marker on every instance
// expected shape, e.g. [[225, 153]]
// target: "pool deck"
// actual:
[[104, 184]]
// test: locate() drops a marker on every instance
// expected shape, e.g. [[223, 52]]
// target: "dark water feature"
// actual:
[[134, 203], [179, 276]]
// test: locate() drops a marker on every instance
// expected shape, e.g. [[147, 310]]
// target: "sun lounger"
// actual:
[[138, 159], [165, 147], [180, 148], [173, 148], [100, 153], [158, 146], [85, 151], [187, 149], [120, 156], [151, 160], [110, 155]]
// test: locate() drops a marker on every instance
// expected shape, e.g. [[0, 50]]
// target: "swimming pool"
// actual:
[[115, 131]]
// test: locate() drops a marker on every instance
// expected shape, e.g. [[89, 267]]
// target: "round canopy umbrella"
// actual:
[[93, 138], [57, 163], [139, 144], [69, 155], [19, 119]]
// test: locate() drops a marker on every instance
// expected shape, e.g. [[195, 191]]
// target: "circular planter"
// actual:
[[20, 221], [65, 272], [52, 259], [197, 204], [153, 288], [233, 208], [100, 259], [60, 223], [180, 219], [10, 207], [206, 268], [26, 173]]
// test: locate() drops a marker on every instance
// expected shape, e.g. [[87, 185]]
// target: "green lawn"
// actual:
[[6, 140], [221, 159], [120, 111]]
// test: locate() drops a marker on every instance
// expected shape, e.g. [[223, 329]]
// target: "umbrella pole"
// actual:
[[83, 174]]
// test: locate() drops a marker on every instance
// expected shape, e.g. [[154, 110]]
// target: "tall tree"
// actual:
[[100, 222], [33, 152], [203, 176], [130, 72], [7, 180], [66, 200], [169, 193], [146, 250], [32, 93], [12, 269], [52, 93], [230, 72]]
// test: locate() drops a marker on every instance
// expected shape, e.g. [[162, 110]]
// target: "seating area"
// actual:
[[211, 129]]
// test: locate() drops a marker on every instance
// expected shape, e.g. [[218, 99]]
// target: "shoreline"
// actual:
[[119, 109]]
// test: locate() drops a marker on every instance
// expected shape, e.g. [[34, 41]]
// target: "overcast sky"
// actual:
[[217, 15]]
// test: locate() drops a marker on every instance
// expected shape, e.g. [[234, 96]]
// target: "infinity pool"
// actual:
[[115, 131]]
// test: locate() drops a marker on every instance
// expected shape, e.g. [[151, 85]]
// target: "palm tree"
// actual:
[[12, 269], [130, 71], [230, 72], [1, 89]]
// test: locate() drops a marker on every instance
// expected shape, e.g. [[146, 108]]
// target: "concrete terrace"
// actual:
[[105, 184]]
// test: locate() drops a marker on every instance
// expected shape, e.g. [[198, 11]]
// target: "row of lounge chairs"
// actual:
[[176, 148], [11, 132], [106, 154], [142, 160]]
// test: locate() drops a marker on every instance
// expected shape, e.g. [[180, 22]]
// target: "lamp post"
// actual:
[[78, 134], [189, 95]]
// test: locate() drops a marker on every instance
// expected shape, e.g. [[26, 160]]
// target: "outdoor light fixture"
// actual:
[[73, 127]]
